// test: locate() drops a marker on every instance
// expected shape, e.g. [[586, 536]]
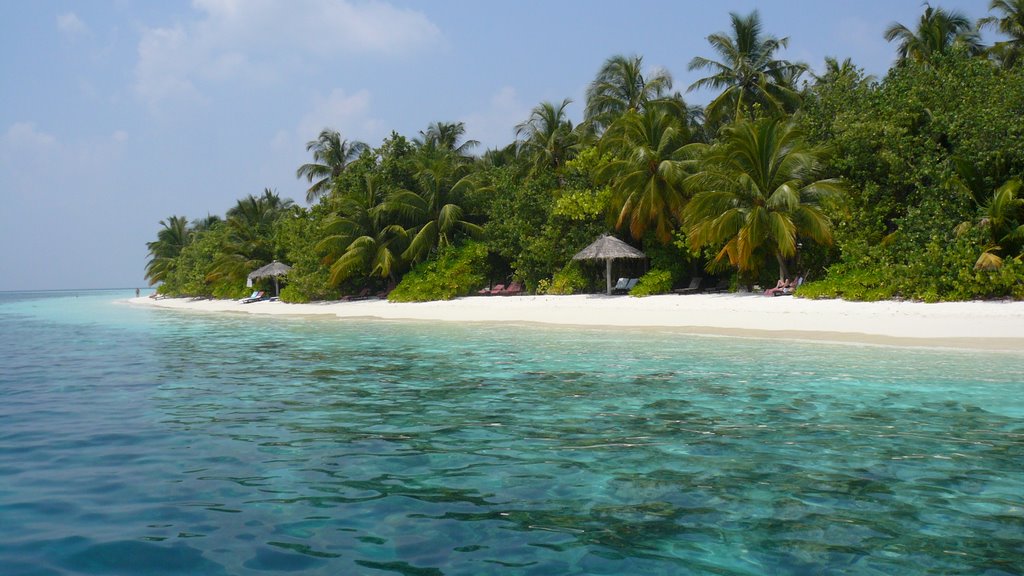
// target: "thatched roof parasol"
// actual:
[[608, 248], [274, 269]]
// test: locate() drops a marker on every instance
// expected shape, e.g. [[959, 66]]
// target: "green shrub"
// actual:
[[456, 271], [654, 282], [569, 280], [294, 295]]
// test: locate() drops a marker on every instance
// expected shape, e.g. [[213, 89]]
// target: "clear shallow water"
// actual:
[[137, 441]]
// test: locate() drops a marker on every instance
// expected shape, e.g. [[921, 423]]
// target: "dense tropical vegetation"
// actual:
[[908, 186]]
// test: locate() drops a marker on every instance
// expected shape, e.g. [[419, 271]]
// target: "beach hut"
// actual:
[[608, 248], [274, 269]]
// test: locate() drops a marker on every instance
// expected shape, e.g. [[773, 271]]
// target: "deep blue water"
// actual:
[[137, 441]]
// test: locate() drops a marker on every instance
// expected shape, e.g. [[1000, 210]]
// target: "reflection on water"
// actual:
[[156, 442]]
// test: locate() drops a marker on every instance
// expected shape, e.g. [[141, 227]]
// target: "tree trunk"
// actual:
[[783, 271]]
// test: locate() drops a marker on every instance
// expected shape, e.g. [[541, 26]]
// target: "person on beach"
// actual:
[[136, 292], [780, 287]]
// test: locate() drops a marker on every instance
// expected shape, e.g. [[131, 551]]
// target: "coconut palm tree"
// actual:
[[1009, 21], [331, 155], [845, 71], [647, 174], [1000, 213], [432, 213], [747, 71], [620, 86], [937, 32], [758, 195], [546, 138], [173, 236], [359, 240], [447, 136], [249, 241]]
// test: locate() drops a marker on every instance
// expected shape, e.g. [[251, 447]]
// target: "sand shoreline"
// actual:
[[975, 325]]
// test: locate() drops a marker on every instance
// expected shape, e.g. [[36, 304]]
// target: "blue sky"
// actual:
[[117, 114]]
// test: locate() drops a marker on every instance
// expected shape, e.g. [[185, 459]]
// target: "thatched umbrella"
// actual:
[[274, 269], [608, 248]]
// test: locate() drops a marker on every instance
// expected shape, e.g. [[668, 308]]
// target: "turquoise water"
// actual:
[[139, 441]]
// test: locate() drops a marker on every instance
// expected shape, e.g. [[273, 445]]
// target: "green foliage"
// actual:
[[297, 238], [898, 144], [457, 271], [189, 277], [654, 282], [571, 279]]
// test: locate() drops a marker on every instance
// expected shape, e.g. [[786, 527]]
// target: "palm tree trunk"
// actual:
[[783, 271]]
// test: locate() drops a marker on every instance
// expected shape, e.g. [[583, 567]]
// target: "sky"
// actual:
[[117, 114]]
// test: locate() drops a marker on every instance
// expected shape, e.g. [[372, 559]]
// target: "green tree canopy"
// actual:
[[759, 193], [747, 73]]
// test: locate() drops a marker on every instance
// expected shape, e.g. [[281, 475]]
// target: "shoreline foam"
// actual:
[[977, 325]]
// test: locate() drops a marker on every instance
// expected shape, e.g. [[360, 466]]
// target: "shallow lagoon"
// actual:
[[141, 441]]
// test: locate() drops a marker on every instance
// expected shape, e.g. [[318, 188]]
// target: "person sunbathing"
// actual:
[[780, 287]]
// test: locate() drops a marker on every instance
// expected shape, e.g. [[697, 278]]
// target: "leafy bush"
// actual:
[[654, 282], [456, 271], [569, 280]]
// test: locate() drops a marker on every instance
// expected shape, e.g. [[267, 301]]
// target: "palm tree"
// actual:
[[845, 71], [937, 32], [358, 240], [331, 155], [433, 212], [547, 137], [747, 73], [249, 241], [446, 136], [1000, 212], [758, 194], [174, 236], [1011, 23], [620, 86], [647, 173]]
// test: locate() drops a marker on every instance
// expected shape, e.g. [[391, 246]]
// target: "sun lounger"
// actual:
[[255, 297], [721, 286], [496, 289], [693, 288], [362, 295], [620, 285], [513, 289]]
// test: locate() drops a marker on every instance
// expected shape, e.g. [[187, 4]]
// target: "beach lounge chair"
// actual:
[[721, 286], [496, 289], [362, 295], [620, 286], [513, 289], [693, 288], [255, 297]]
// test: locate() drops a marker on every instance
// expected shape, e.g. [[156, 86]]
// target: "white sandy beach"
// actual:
[[990, 325]]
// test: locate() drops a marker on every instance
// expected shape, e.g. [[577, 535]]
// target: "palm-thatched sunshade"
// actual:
[[608, 248], [273, 269]]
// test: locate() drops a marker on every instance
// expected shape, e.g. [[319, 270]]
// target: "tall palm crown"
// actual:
[[937, 32], [757, 194], [433, 212], [331, 155], [249, 241], [747, 71], [1010, 22], [546, 138], [446, 136], [647, 173], [174, 236], [620, 86], [358, 239]]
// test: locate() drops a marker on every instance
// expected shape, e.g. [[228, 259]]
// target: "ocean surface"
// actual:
[[139, 441]]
